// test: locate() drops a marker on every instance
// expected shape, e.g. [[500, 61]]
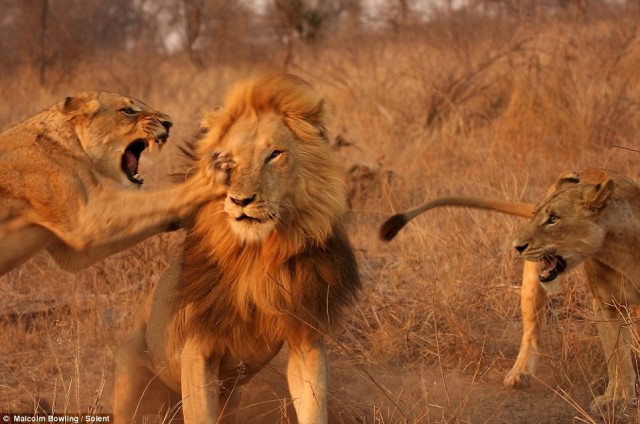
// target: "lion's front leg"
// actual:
[[615, 337], [137, 390], [307, 378], [199, 383], [533, 298]]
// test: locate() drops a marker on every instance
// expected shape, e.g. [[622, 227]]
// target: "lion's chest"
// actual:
[[243, 307], [247, 321], [237, 367], [240, 308]]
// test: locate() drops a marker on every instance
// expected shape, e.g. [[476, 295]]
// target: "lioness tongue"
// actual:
[[131, 162], [548, 266]]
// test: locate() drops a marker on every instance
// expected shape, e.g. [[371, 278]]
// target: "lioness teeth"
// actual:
[[150, 146], [160, 146]]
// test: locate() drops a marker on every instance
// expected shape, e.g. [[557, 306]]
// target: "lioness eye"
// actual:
[[128, 111], [274, 155], [552, 219]]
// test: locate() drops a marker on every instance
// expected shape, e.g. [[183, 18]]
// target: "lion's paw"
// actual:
[[517, 379]]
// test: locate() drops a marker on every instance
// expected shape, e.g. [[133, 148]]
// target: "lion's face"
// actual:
[[565, 229], [270, 147], [261, 156], [114, 130]]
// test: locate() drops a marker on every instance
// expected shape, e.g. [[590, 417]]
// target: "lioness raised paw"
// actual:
[[217, 167], [72, 183]]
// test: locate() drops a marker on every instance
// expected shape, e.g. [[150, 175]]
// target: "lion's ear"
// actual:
[[319, 113], [317, 117], [595, 199]]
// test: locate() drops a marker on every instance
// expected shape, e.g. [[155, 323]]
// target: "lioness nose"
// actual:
[[521, 247], [243, 201], [166, 125]]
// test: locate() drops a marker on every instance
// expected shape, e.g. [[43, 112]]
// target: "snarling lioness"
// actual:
[[595, 224], [69, 181], [533, 294], [269, 264]]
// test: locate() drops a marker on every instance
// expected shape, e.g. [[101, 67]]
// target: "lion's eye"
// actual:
[[274, 155], [128, 111], [552, 219]]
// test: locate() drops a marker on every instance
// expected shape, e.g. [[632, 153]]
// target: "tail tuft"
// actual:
[[390, 228]]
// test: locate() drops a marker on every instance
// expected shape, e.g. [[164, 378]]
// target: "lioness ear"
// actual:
[[568, 177], [596, 198], [79, 104]]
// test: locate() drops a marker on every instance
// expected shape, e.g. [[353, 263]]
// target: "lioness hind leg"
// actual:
[[533, 298], [17, 247], [616, 342], [137, 391]]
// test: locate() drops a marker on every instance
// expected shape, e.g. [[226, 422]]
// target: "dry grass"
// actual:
[[424, 114]]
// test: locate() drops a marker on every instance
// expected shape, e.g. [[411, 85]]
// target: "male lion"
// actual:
[[69, 179], [270, 263], [533, 295]]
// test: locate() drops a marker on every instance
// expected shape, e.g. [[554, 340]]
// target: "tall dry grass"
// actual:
[[475, 107]]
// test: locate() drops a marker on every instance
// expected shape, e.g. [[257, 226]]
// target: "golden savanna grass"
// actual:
[[472, 108]]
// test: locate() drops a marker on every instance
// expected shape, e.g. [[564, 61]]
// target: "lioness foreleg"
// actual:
[[71, 260], [307, 378], [112, 221], [616, 342], [533, 298]]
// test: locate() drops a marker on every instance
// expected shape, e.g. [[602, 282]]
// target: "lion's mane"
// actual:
[[305, 272]]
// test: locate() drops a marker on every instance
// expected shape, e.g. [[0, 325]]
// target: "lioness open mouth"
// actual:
[[552, 266], [131, 159]]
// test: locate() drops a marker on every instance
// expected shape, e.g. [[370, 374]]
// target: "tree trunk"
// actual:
[[42, 60]]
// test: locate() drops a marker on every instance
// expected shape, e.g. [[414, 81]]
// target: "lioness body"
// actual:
[[269, 264], [69, 181], [595, 223], [533, 295]]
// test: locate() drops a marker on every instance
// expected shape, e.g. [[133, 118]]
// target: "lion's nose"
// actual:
[[521, 247], [243, 201]]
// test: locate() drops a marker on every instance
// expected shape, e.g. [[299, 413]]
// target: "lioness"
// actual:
[[270, 263], [69, 181], [597, 224], [533, 295], [599, 228]]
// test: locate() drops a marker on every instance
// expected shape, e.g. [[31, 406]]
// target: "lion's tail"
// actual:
[[394, 224]]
